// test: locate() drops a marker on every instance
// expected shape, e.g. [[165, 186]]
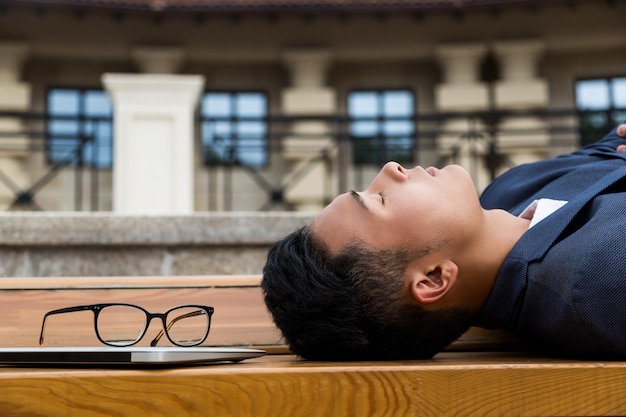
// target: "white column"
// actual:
[[521, 89], [463, 92], [308, 95], [153, 166], [14, 96]]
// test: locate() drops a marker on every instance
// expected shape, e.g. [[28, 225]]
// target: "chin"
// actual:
[[463, 176], [457, 167], [458, 170]]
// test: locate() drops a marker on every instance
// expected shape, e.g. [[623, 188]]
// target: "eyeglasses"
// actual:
[[120, 324]]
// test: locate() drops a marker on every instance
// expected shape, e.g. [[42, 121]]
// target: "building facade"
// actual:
[[193, 106]]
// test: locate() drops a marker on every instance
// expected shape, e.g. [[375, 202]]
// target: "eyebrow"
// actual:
[[358, 199]]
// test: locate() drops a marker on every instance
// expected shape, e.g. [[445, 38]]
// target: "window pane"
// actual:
[[87, 153], [252, 151], [387, 120], [602, 96], [63, 144], [363, 104], [97, 103], [61, 150], [238, 139], [63, 102], [56, 155], [89, 128], [619, 92], [596, 120], [77, 106], [216, 105], [63, 128], [618, 117], [104, 132], [398, 128], [592, 95], [222, 129], [250, 129], [251, 105], [364, 129], [398, 103], [104, 155]]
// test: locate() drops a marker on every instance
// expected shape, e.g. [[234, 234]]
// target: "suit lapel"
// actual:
[[536, 242]]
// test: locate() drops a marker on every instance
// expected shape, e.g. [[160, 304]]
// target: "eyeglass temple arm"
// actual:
[[171, 323], [60, 311]]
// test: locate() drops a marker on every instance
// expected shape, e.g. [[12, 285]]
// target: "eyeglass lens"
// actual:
[[123, 325], [187, 326]]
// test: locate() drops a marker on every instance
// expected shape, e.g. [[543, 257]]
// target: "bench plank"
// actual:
[[240, 318], [452, 384]]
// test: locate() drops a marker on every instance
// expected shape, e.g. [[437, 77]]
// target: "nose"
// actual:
[[391, 172], [394, 171]]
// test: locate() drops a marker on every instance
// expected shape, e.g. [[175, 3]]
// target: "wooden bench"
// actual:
[[240, 317], [465, 381]]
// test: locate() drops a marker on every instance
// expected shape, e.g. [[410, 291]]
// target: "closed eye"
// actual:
[[382, 198]]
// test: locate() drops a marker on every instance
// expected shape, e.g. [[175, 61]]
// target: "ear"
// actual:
[[431, 284]]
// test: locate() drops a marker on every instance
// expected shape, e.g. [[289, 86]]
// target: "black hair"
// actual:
[[352, 306]]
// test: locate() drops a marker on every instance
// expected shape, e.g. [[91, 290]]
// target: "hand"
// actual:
[[621, 130]]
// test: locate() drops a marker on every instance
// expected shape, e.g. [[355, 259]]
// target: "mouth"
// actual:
[[432, 171]]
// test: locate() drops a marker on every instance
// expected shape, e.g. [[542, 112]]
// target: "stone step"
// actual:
[[106, 244]]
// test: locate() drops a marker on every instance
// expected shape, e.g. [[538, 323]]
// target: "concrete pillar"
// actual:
[[153, 168], [524, 139], [462, 91], [308, 95], [14, 96]]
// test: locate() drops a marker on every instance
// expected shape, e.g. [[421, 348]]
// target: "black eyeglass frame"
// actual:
[[97, 308]]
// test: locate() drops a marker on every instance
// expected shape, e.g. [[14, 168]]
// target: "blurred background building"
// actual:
[[180, 106]]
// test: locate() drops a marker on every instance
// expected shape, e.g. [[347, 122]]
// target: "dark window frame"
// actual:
[[87, 125], [594, 123], [212, 158], [376, 150]]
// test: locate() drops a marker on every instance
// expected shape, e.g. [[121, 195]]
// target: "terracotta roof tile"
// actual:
[[276, 5]]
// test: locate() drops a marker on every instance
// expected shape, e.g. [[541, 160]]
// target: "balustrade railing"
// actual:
[[68, 168]]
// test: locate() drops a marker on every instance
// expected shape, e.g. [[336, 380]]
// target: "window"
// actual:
[[234, 129], [604, 104], [79, 125], [382, 126]]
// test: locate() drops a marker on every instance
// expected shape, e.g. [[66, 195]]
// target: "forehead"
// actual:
[[341, 222]]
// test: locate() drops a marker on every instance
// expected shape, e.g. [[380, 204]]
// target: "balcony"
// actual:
[[275, 167]]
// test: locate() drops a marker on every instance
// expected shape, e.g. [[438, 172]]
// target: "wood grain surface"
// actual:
[[455, 383], [452, 384], [240, 317]]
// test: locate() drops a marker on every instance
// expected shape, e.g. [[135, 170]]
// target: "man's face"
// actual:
[[407, 209]]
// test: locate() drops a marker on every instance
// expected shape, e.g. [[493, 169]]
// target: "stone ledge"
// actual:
[[105, 244], [106, 229]]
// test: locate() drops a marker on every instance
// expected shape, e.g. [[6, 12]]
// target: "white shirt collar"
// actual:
[[540, 209]]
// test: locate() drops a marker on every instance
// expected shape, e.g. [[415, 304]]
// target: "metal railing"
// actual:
[[344, 157], [44, 158], [480, 134]]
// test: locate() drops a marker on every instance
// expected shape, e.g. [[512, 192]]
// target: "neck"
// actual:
[[484, 255]]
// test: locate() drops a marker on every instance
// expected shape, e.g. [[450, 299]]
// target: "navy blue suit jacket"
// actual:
[[564, 282]]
